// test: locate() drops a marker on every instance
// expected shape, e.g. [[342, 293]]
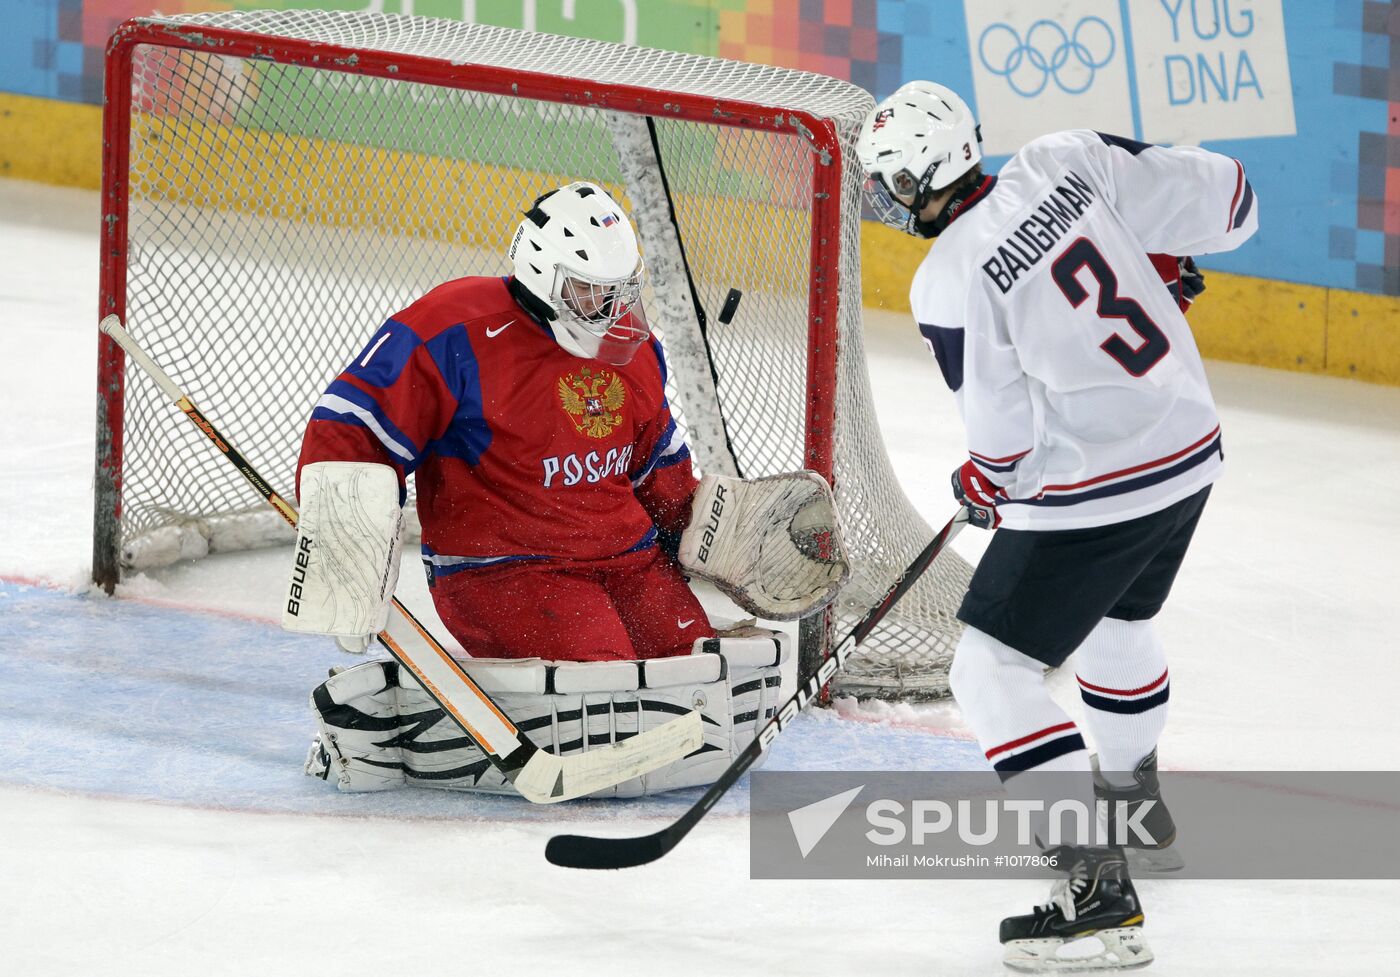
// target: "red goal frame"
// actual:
[[818, 132]]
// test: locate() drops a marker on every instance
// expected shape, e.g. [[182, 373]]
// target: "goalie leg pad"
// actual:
[[347, 553], [379, 729], [358, 715], [772, 545]]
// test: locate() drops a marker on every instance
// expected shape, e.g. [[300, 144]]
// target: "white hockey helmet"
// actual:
[[576, 252], [913, 144]]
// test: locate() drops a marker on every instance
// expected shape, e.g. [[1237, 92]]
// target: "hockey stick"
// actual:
[[582, 851], [539, 776]]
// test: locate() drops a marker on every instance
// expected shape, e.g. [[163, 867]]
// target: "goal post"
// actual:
[[276, 183]]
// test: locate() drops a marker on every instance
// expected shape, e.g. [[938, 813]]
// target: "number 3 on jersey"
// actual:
[[1155, 345]]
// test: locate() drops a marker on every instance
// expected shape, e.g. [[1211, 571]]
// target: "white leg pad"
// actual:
[[378, 729]]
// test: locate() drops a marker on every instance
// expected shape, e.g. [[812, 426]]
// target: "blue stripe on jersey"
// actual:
[[674, 458], [660, 352], [946, 343], [660, 359], [1130, 485], [662, 443], [647, 540], [1245, 205], [384, 357], [346, 403], [468, 434], [440, 566], [1123, 142]]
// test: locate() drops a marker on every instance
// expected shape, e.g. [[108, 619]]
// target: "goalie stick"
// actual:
[[539, 776], [582, 851]]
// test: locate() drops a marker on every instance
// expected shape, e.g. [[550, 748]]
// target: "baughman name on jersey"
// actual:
[[1051, 219], [1076, 374]]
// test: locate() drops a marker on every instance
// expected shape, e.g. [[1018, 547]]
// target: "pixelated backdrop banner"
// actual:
[[1305, 92]]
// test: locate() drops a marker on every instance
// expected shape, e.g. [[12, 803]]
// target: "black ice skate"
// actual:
[[1158, 855], [1093, 920]]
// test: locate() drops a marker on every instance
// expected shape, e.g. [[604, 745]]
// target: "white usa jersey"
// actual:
[[1076, 374]]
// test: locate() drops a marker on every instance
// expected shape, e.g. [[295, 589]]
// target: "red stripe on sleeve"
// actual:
[[1235, 201]]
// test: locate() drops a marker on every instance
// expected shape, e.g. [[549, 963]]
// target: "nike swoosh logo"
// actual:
[[493, 333], [684, 624]]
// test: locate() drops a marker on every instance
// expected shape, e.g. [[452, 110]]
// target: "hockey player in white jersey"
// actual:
[[1092, 438]]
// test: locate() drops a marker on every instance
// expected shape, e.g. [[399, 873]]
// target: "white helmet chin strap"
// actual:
[[615, 348], [599, 320], [565, 337]]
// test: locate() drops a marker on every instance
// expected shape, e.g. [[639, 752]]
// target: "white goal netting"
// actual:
[[283, 197]]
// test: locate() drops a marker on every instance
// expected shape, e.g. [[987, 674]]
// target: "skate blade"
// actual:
[[1154, 861], [1111, 949]]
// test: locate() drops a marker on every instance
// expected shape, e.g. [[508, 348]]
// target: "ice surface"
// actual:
[[154, 820]]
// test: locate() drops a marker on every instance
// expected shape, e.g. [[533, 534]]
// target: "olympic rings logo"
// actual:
[[1048, 52]]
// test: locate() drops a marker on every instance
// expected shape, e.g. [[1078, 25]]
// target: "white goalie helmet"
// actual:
[[913, 144], [576, 252]]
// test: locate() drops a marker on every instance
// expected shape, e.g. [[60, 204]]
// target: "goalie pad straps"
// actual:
[[772, 545], [347, 554], [376, 729]]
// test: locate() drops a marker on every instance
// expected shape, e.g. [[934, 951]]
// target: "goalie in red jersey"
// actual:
[[532, 412]]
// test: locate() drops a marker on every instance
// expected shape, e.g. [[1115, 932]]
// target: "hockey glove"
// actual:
[[1193, 280], [772, 545], [977, 495]]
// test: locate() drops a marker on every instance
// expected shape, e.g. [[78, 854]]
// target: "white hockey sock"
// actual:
[[1122, 672], [1002, 695]]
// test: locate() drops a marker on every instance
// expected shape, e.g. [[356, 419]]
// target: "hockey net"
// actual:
[[277, 183]]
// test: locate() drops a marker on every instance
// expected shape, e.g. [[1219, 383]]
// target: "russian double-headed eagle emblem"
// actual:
[[593, 400]]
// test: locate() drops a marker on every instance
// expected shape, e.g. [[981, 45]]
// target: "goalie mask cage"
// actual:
[[277, 183]]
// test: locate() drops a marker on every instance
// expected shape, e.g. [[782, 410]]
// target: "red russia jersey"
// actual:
[[521, 450]]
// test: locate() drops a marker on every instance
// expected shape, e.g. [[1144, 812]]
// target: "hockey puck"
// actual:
[[731, 303]]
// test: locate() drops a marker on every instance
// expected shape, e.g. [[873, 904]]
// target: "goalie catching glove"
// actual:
[[771, 545], [347, 553]]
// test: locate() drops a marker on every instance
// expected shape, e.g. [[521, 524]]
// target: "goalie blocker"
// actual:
[[347, 554], [378, 730], [772, 545]]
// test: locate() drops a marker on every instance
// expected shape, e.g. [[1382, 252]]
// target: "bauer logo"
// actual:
[[707, 536], [299, 576]]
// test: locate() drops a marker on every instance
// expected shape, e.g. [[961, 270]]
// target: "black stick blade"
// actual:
[[580, 851]]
